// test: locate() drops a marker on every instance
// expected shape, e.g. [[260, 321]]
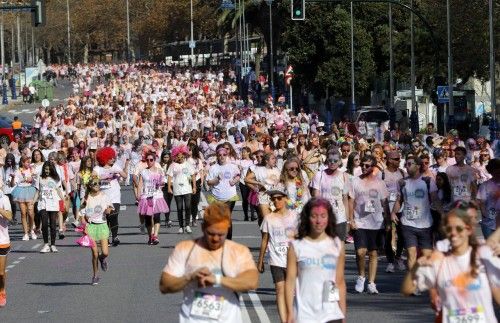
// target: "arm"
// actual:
[[340, 282], [350, 213], [408, 286], [396, 209], [193, 182], [6, 214], [263, 247], [291, 276], [169, 185], [139, 188], [172, 284]]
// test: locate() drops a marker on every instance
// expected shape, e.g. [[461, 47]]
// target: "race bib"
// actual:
[[370, 206], [47, 194], [150, 190], [282, 248], [393, 196], [207, 306], [460, 191], [105, 185], [330, 292], [470, 315], [411, 212]]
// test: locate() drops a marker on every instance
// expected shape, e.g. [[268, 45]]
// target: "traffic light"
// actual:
[[298, 9], [38, 13]]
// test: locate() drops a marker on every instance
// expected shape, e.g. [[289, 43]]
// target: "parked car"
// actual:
[[372, 116]]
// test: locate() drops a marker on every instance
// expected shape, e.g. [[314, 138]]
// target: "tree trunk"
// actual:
[[49, 58]]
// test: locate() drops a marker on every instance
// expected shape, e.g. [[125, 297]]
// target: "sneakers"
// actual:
[[150, 240], [181, 230], [26, 237], [188, 229], [3, 299], [53, 248], [349, 239], [95, 280], [195, 223], [416, 292], [390, 268], [401, 264], [33, 235], [360, 284], [372, 288], [142, 228], [104, 263], [115, 242], [45, 249], [61, 235], [169, 224], [154, 240]]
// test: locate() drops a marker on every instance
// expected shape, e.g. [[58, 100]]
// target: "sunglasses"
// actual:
[[150, 160], [345, 150], [94, 184], [277, 198], [332, 161], [221, 155], [366, 165], [410, 164], [458, 228], [292, 169], [356, 159]]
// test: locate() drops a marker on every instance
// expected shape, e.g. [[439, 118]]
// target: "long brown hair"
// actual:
[[461, 214]]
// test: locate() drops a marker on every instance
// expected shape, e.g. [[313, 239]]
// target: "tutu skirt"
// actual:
[[152, 206], [98, 232], [24, 193]]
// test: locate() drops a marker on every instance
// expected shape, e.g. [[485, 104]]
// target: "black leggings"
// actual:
[[38, 215], [150, 220], [13, 206], [112, 220], [195, 200], [245, 191], [49, 216], [183, 201], [231, 205], [168, 198]]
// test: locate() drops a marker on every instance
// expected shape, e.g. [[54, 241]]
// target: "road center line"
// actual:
[[36, 246]]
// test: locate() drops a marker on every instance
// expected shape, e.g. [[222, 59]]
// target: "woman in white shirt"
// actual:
[[315, 288], [48, 196], [466, 277], [182, 184]]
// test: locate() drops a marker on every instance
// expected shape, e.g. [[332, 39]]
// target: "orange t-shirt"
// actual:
[[17, 124]]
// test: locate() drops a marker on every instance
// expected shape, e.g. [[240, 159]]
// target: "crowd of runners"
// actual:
[[174, 134]]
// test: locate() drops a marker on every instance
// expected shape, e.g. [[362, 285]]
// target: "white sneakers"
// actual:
[[360, 284], [401, 264], [181, 230], [26, 237], [390, 268], [46, 248], [371, 288], [33, 235], [188, 229]]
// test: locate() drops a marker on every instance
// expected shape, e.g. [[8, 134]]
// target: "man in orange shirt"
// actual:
[[17, 126]]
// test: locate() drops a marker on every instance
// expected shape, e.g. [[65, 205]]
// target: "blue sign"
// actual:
[[227, 5], [443, 93]]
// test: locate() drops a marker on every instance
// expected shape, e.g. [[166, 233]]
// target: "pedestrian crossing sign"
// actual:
[[443, 93]]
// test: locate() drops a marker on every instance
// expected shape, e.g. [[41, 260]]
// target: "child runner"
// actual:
[[95, 209]]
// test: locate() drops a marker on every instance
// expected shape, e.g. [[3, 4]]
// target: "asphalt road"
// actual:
[[56, 287]]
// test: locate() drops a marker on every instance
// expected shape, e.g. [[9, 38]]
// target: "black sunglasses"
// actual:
[[458, 228]]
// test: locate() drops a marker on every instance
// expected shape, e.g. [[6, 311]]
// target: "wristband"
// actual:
[[218, 280]]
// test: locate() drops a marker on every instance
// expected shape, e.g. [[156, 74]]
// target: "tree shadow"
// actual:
[[58, 284]]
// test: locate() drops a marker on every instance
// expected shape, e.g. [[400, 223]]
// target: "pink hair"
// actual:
[[183, 149]]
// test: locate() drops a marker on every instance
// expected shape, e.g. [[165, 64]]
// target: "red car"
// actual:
[[7, 134]]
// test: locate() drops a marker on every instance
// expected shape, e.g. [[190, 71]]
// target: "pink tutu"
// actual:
[[85, 241], [152, 206]]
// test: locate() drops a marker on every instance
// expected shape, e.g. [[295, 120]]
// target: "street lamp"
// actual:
[[69, 33], [494, 119], [191, 43], [271, 55], [353, 98], [128, 33]]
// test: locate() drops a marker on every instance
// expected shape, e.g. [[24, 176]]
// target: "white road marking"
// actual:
[[244, 313], [123, 207], [11, 266], [259, 309], [36, 246], [16, 262], [21, 258]]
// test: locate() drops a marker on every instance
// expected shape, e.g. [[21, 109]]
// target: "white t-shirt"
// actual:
[[181, 177], [95, 207], [391, 180], [317, 263], [461, 179], [333, 188], [368, 196], [417, 208], [230, 260], [109, 182], [223, 191], [460, 293], [4, 223], [489, 193], [281, 230], [48, 199], [152, 182], [270, 177]]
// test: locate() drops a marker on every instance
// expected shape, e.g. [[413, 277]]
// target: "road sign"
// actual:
[[192, 44], [443, 93], [227, 5], [45, 103]]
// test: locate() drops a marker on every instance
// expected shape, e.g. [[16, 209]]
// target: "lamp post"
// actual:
[[451, 105], [192, 36], [128, 32], [69, 32], [353, 95], [392, 112], [2, 54], [494, 119], [414, 113], [271, 54]]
